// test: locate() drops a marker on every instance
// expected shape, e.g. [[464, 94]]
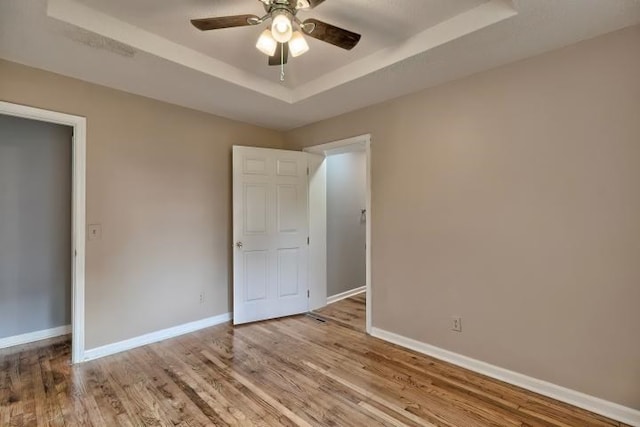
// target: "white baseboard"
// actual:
[[152, 337], [34, 336], [594, 404], [346, 294]]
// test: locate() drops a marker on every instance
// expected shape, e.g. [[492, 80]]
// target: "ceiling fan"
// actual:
[[282, 38]]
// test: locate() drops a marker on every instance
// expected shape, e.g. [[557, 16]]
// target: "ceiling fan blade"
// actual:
[[206, 24], [330, 34], [314, 3], [276, 59]]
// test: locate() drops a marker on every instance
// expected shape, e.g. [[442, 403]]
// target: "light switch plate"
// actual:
[[95, 231]]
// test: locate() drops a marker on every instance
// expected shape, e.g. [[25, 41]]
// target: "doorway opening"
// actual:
[[340, 220], [43, 206]]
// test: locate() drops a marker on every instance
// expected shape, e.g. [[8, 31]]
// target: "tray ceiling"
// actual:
[[148, 47], [384, 24]]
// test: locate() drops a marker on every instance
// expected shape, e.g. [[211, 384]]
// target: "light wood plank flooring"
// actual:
[[349, 312], [292, 371]]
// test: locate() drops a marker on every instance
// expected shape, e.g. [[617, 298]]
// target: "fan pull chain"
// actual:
[[282, 63]]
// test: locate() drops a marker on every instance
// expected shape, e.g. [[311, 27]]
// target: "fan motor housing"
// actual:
[[288, 5]]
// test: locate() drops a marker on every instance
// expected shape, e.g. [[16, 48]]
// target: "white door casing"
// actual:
[[318, 218], [317, 231], [270, 234], [78, 208]]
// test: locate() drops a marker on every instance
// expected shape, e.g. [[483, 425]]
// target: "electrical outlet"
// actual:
[[202, 297], [456, 324]]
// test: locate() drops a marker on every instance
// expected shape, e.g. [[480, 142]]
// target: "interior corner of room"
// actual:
[[488, 223]]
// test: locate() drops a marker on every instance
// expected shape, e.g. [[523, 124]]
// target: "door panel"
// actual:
[[287, 168], [288, 272], [255, 275], [270, 229], [255, 166], [288, 214], [255, 211]]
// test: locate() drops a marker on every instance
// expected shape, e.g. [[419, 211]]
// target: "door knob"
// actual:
[[239, 245]]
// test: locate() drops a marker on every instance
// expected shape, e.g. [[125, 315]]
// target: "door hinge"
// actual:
[[308, 294], [308, 240], [307, 170]]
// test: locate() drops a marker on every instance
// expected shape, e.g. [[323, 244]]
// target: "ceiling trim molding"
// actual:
[[79, 15], [475, 19]]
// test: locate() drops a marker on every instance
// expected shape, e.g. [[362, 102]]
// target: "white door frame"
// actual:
[[78, 208], [335, 147]]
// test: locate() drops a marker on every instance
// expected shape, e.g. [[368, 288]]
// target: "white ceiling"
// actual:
[[149, 47], [393, 20]]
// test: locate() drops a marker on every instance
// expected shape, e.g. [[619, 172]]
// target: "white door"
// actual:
[[270, 233]]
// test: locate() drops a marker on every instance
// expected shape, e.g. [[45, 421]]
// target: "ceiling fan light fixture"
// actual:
[[281, 27], [266, 43], [284, 34], [298, 45]]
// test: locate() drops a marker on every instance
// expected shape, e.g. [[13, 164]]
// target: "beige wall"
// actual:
[[512, 199], [159, 182]]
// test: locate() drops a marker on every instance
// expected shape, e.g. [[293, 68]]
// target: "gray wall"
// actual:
[[346, 228], [35, 226]]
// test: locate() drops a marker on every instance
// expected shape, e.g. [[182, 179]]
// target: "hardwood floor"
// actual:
[[349, 312], [292, 371]]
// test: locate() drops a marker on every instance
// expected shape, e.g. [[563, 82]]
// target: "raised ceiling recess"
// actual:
[[392, 31], [150, 47]]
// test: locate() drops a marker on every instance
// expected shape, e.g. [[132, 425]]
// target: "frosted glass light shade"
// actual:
[[298, 45], [266, 43], [281, 27]]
